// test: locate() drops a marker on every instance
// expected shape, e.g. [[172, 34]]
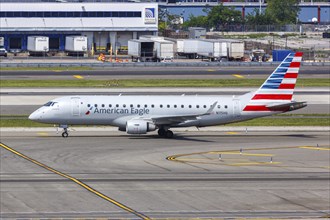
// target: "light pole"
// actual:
[[98, 49]]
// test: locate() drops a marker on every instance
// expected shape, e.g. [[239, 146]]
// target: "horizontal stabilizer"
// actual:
[[287, 106]]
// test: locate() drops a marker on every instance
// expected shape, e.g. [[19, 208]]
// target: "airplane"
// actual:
[[143, 114]]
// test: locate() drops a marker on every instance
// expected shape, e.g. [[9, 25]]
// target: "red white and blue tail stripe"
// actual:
[[279, 86]]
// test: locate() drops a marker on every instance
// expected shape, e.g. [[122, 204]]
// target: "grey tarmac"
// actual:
[[260, 174]]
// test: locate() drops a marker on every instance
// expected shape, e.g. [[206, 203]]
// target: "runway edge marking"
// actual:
[[118, 204]]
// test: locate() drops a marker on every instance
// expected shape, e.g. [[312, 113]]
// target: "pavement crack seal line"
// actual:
[[116, 203], [180, 157]]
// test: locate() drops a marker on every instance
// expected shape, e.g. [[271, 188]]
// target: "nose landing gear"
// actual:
[[65, 133]]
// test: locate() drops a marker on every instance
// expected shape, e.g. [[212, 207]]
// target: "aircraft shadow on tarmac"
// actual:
[[175, 138]]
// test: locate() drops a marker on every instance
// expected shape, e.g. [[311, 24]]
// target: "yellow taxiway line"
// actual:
[[232, 132], [78, 76], [118, 204], [238, 76], [314, 148]]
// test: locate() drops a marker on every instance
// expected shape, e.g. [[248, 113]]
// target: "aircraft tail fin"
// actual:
[[279, 86]]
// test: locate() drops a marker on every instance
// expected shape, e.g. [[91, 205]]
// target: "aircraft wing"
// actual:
[[172, 119]]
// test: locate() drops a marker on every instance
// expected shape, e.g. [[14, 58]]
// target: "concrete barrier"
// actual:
[[152, 64]]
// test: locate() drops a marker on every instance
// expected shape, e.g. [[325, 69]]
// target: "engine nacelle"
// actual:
[[139, 127]]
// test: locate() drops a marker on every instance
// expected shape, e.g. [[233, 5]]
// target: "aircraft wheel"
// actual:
[[65, 134], [169, 134], [161, 132]]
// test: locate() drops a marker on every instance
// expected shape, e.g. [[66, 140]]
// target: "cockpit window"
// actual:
[[48, 104]]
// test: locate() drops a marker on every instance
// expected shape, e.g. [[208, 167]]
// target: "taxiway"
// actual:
[[202, 174]]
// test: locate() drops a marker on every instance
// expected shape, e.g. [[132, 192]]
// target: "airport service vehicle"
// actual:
[[76, 44], [142, 114], [37, 45]]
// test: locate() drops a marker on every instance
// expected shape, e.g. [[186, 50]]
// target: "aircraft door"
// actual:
[[75, 106], [237, 108]]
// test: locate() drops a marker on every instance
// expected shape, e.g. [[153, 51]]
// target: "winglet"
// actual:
[[209, 111]]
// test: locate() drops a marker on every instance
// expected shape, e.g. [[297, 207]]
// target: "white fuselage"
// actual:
[[117, 110]]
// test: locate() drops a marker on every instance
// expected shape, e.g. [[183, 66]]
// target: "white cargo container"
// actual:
[[221, 48], [76, 44], [187, 47], [141, 50], [235, 49], [151, 37], [38, 44], [164, 49], [213, 49]]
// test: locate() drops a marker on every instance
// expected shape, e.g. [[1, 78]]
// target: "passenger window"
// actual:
[[197, 106], [161, 106], [168, 106], [131, 105], [146, 106], [152, 106], [124, 106], [175, 106], [138, 106], [182, 106], [103, 105], [226, 106], [110, 105], [88, 105], [95, 105], [117, 105], [204, 106], [189, 106], [219, 106]]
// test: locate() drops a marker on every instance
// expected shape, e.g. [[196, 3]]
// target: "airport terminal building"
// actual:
[[107, 26]]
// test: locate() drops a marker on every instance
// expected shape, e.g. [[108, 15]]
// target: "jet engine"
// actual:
[[139, 127]]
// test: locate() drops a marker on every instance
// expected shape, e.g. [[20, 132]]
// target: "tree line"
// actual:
[[277, 12]]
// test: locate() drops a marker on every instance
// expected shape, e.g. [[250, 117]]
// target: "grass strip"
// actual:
[[129, 83], [268, 121]]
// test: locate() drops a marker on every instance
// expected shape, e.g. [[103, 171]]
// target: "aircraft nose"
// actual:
[[34, 116]]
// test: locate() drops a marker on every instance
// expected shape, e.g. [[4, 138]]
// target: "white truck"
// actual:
[[141, 50], [187, 47], [38, 45], [76, 45], [164, 50]]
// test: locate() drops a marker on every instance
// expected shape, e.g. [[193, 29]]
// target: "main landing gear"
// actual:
[[165, 133]]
